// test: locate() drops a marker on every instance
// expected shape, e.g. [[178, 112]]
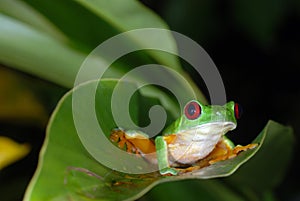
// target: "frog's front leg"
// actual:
[[162, 157]]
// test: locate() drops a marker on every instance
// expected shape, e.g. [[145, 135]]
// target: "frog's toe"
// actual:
[[168, 171], [118, 136], [240, 148]]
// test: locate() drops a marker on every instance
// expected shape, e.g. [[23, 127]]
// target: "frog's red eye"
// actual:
[[238, 111], [192, 110]]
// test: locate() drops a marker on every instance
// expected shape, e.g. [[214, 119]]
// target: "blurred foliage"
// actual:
[[26, 103], [18, 102], [255, 45], [11, 151]]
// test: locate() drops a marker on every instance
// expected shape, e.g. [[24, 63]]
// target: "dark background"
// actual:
[[256, 47], [254, 44]]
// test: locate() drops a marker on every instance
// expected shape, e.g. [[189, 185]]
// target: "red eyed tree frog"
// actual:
[[196, 139]]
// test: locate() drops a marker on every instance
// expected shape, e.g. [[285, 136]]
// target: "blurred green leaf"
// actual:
[[37, 53], [112, 16], [22, 12], [190, 190], [28, 47], [23, 45], [129, 15], [66, 166]]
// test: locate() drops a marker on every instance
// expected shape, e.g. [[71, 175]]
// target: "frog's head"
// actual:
[[209, 119]]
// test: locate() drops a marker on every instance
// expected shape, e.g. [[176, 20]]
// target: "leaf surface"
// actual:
[[67, 171]]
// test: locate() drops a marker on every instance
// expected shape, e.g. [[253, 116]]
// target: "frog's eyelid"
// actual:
[[238, 111]]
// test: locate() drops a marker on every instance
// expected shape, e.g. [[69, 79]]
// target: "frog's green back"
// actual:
[[173, 128], [208, 114]]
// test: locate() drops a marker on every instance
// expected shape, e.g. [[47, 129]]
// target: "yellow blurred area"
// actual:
[[11, 151], [17, 101]]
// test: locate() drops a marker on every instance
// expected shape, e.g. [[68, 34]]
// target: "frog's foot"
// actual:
[[118, 136], [224, 152], [240, 148]]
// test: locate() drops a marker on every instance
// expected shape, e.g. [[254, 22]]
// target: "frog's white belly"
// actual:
[[193, 145], [188, 152]]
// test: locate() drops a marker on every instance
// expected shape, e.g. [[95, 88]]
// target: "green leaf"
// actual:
[[33, 51], [39, 34], [112, 16], [67, 171], [129, 15], [190, 190], [22, 12], [27, 46], [269, 166]]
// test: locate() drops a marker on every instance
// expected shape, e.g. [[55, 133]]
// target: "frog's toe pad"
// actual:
[[168, 171], [240, 148]]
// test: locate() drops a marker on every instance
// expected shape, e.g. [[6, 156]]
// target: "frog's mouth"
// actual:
[[209, 130]]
